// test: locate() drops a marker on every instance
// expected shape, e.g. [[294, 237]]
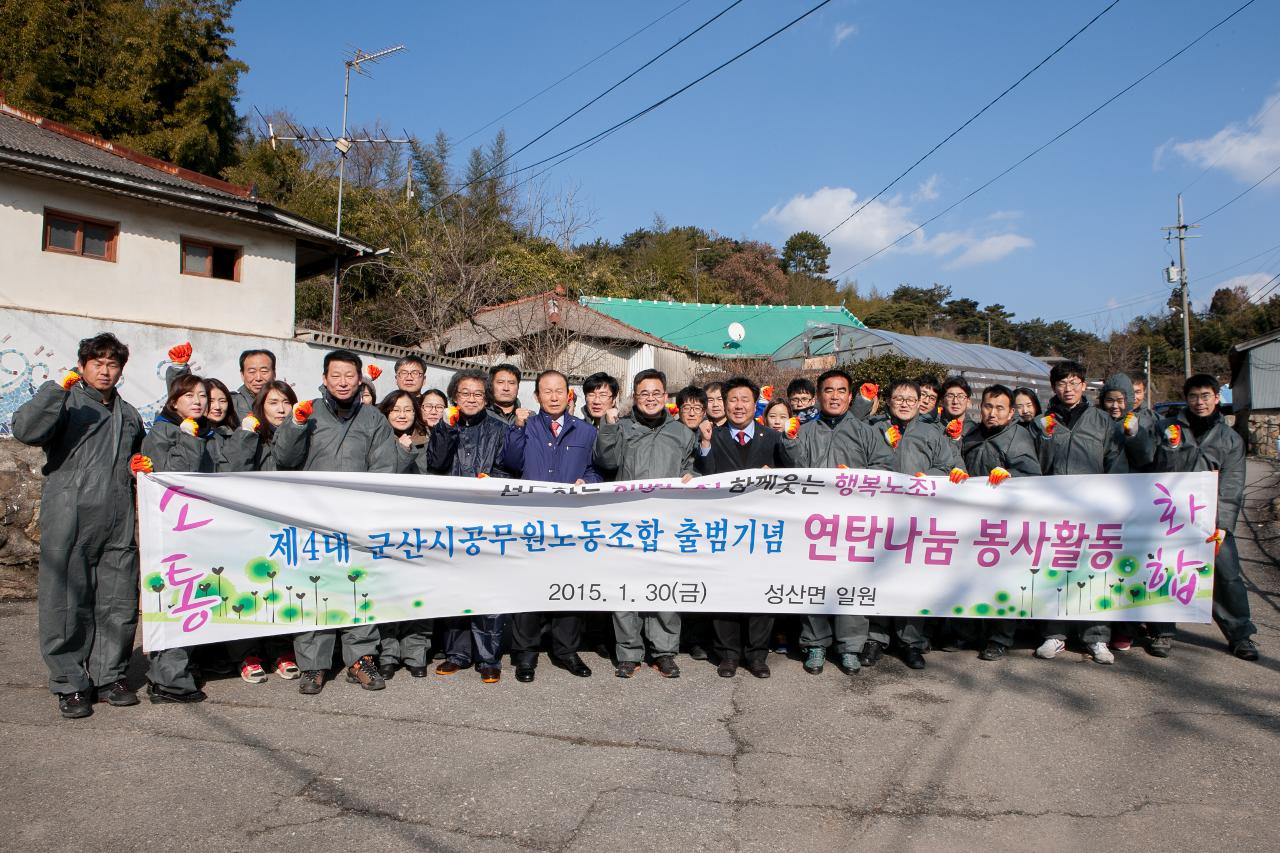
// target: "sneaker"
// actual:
[[850, 663], [780, 646], [993, 651], [286, 667], [814, 660], [626, 668], [251, 670], [118, 694], [365, 673], [73, 706], [1050, 648], [312, 682], [1159, 647], [1101, 654], [1122, 643], [1245, 649], [666, 666]]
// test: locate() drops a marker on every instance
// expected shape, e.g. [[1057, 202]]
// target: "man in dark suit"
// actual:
[[738, 445]]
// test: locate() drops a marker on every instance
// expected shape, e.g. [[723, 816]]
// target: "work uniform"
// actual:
[[829, 442], [645, 449], [354, 438], [406, 642], [88, 579]]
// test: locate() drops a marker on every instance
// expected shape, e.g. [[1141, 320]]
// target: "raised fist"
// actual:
[[302, 410], [181, 353], [250, 423], [869, 390], [71, 378], [1131, 424], [374, 371], [704, 431], [451, 416], [189, 426], [139, 464], [955, 428]]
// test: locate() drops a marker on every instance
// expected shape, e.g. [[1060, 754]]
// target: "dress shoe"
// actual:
[[448, 668], [387, 670], [159, 697], [727, 669], [525, 673], [913, 659], [73, 706], [417, 671], [491, 674], [1245, 649], [871, 653], [759, 669], [118, 694], [574, 665]]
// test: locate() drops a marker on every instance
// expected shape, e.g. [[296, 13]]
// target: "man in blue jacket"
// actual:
[[554, 447]]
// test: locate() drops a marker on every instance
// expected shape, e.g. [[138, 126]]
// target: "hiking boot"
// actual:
[[1050, 648], [118, 694], [251, 670], [1159, 647], [666, 666], [850, 663], [312, 682], [287, 667], [365, 673], [73, 706], [814, 660]]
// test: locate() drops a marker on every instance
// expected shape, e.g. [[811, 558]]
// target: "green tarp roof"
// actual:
[[704, 328]]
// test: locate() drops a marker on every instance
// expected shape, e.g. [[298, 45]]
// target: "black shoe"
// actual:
[[759, 669], [727, 669], [626, 669], [666, 666], [912, 658], [312, 682], [118, 694], [871, 653], [161, 697], [1245, 649], [697, 652], [525, 672], [388, 670], [574, 665], [1159, 647], [417, 671], [993, 651], [73, 706]]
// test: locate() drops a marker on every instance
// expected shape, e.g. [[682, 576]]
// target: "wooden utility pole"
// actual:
[[1179, 232]]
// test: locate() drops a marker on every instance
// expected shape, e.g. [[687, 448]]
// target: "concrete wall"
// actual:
[[144, 283]]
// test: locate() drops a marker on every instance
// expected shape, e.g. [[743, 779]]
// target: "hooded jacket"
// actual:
[[1080, 440]]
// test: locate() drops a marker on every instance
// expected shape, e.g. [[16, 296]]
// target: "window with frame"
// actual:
[[72, 234], [210, 260]]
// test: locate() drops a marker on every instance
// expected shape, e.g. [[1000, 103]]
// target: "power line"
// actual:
[[1146, 297], [1254, 122], [1243, 194], [1042, 147], [1265, 289], [971, 119], [1237, 264], [575, 71]]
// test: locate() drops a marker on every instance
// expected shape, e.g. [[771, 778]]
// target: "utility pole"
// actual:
[[697, 290], [1179, 276]]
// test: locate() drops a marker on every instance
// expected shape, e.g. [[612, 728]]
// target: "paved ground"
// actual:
[[1177, 754]]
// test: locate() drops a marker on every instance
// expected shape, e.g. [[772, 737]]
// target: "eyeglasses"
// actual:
[[955, 398], [910, 401], [433, 407], [470, 395], [1073, 382], [651, 395], [691, 407], [412, 374], [1206, 397]]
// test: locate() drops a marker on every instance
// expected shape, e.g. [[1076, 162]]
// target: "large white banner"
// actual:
[[228, 556]]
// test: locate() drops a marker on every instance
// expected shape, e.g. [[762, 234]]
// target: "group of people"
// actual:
[[95, 444]]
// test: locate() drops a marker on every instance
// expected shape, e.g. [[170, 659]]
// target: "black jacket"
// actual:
[[766, 448], [474, 447]]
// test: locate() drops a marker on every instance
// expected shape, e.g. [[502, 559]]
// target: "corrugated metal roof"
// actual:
[[703, 327], [858, 342]]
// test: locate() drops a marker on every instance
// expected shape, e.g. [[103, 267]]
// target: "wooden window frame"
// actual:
[[81, 221], [186, 240]]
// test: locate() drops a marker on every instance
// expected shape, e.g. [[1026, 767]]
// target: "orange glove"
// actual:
[[958, 475], [1216, 539], [893, 435], [189, 426], [842, 465], [1173, 432], [919, 474], [70, 379], [139, 464], [250, 423], [673, 409], [955, 428], [571, 396], [482, 476], [302, 410], [997, 476], [766, 393], [1130, 424], [180, 354], [374, 371], [869, 390], [451, 416], [793, 427], [760, 420], [1050, 423]]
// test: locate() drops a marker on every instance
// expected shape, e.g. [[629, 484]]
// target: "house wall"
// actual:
[[144, 284], [1264, 378]]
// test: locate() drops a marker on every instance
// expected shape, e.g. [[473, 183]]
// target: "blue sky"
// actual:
[[801, 131]]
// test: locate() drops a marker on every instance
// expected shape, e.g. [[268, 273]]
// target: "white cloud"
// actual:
[[843, 31], [882, 222], [927, 191], [1245, 151], [1252, 283]]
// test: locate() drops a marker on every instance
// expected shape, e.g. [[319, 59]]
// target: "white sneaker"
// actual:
[[1050, 648], [1101, 654]]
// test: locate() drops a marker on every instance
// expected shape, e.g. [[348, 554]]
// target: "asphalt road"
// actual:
[[1176, 754]]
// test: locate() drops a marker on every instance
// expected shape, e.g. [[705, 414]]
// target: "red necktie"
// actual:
[[555, 429], [742, 438]]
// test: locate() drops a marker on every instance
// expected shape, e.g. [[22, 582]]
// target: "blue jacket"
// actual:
[[532, 453]]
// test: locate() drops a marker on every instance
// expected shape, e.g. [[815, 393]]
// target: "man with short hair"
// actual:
[[600, 394], [553, 447], [504, 393], [87, 589], [715, 403], [802, 396], [834, 439], [649, 444], [257, 368], [1076, 438], [741, 444], [336, 432], [411, 373], [1198, 439], [998, 448], [954, 419], [928, 399], [691, 406]]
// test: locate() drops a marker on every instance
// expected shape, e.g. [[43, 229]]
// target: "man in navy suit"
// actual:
[[555, 447], [738, 445]]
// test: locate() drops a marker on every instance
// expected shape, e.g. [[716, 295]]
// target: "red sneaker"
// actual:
[[1122, 643], [286, 667], [251, 670]]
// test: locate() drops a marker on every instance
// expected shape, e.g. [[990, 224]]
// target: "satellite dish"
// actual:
[[737, 332]]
